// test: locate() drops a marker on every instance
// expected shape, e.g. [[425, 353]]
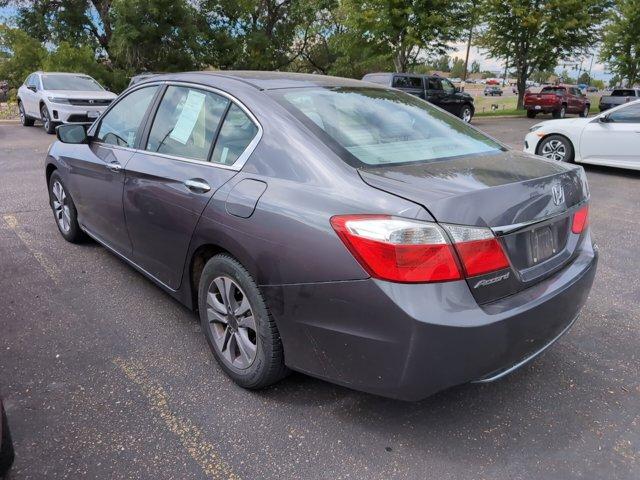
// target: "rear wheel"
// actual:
[[241, 333], [48, 124], [24, 119], [560, 113], [531, 114], [556, 147]]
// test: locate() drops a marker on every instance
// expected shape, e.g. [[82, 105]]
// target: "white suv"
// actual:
[[56, 98]]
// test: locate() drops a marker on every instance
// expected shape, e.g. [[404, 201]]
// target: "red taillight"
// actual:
[[580, 220], [481, 256], [397, 249], [404, 250]]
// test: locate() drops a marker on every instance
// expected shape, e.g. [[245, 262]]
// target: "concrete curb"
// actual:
[[9, 121]]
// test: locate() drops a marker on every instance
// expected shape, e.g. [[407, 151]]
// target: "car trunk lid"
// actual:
[[527, 202]]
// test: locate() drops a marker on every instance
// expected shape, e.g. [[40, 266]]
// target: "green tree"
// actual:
[[475, 67], [584, 78], [155, 35], [621, 43], [537, 34], [22, 55], [541, 76], [406, 29], [442, 64], [566, 78]]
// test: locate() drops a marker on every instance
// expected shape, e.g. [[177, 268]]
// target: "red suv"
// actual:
[[558, 100]]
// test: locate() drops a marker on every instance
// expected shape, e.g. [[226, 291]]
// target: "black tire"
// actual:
[[6, 446], [25, 120], [585, 112], [566, 143], [47, 123], [267, 367], [73, 233], [466, 113], [531, 114], [560, 113]]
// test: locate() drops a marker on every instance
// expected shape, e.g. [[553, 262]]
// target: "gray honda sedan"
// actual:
[[351, 232]]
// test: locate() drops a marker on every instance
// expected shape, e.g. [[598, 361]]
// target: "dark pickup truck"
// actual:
[[437, 90], [618, 97]]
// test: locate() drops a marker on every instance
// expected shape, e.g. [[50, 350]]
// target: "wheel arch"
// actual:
[[50, 168]]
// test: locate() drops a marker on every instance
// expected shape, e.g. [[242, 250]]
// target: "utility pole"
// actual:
[[466, 58]]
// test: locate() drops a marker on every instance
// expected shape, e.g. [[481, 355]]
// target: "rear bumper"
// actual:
[[543, 108], [409, 341]]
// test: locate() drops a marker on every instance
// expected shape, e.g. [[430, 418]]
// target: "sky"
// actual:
[[598, 70]]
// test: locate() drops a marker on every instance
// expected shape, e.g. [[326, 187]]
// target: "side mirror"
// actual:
[[72, 133], [31, 87], [604, 119]]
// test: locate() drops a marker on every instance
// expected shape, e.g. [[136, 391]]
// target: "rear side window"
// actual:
[[121, 125], [630, 114], [556, 90], [186, 123], [407, 82], [237, 132], [623, 93]]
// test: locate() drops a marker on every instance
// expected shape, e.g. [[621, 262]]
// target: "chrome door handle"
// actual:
[[197, 185], [114, 166]]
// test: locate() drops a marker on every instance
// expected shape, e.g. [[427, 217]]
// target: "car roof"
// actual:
[[264, 80], [76, 74]]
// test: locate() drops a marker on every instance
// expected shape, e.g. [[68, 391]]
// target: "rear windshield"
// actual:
[[558, 90], [623, 93], [70, 82], [372, 126]]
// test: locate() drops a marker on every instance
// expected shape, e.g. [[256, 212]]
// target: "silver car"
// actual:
[[56, 98]]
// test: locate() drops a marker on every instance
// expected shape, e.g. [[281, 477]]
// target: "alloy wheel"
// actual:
[[232, 323], [61, 207], [22, 114], [466, 115], [554, 150], [45, 118]]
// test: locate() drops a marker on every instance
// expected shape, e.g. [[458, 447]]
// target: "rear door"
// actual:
[[29, 96], [196, 142]]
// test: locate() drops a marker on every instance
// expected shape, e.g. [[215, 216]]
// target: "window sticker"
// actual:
[[188, 117]]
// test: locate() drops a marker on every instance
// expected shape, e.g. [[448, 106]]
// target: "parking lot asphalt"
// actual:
[[105, 376]]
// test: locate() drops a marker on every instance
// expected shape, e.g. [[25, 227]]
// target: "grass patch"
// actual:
[[9, 111], [512, 112]]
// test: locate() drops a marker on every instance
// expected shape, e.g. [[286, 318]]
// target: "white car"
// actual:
[[55, 98], [611, 138]]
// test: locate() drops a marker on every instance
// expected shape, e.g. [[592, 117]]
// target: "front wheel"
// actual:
[[466, 114], [239, 328], [64, 210], [48, 124], [556, 147]]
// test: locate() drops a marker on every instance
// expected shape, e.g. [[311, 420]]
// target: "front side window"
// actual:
[[236, 133], [435, 84], [630, 114], [186, 123], [121, 125], [70, 82], [447, 86], [373, 127]]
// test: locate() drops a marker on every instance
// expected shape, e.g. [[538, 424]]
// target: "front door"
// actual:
[[615, 142], [195, 139], [97, 172]]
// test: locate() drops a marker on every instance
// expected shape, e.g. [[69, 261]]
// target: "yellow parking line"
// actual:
[[191, 437], [49, 267]]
